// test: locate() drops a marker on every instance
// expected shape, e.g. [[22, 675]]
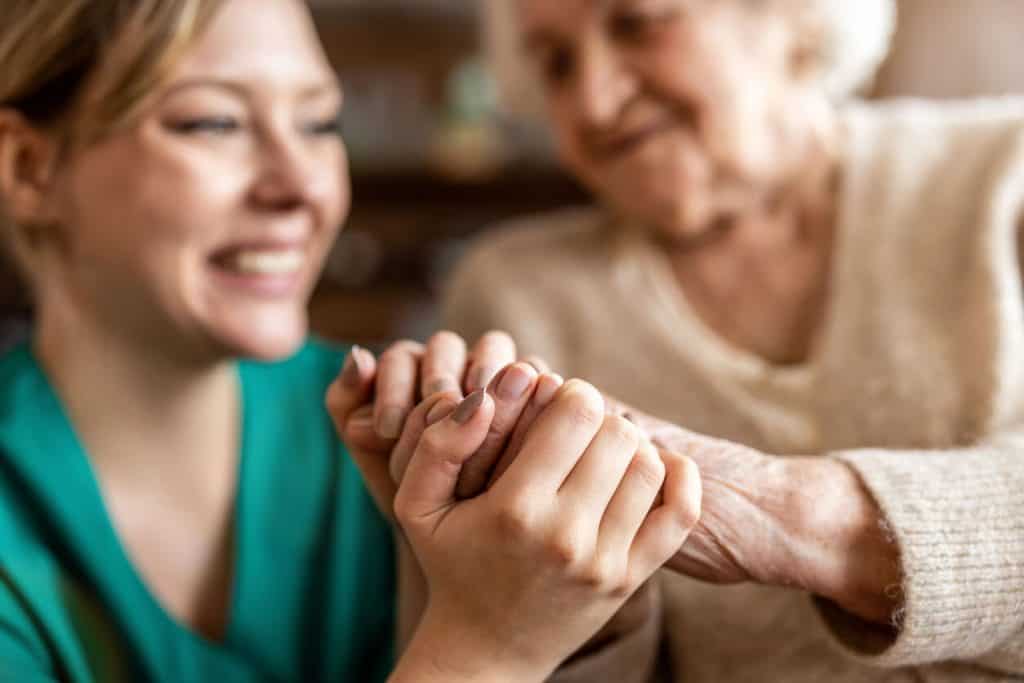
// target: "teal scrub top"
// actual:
[[314, 584]]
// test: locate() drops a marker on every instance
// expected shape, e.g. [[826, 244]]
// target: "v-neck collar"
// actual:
[[44, 447]]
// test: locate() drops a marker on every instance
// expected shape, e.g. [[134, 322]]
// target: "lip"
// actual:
[[624, 143], [261, 285]]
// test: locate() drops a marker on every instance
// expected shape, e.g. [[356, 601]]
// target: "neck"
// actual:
[[135, 406], [759, 278]]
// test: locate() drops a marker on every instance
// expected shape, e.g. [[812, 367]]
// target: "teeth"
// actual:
[[266, 262]]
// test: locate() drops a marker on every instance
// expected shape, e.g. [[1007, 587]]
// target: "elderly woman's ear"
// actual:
[[27, 163]]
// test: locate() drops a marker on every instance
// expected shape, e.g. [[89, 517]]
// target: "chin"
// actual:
[[267, 339]]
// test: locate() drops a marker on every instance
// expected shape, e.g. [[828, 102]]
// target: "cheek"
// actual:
[[135, 212]]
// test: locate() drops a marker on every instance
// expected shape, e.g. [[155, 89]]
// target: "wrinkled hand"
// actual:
[[736, 539]]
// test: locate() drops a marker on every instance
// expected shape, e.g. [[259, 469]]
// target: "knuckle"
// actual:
[[606, 575], [515, 519], [649, 469], [585, 404], [565, 550], [622, 431]]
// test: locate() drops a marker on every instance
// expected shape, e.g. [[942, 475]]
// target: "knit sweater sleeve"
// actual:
[[958, 519]]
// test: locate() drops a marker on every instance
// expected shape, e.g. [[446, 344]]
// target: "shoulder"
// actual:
[[917, 143]]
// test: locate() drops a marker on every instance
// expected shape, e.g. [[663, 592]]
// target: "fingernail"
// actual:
[[437, 386], [350, 373], [467, 409], [443, 409], [492, 386], [481, 377], [514, 384], [362, 422], [390, 424]]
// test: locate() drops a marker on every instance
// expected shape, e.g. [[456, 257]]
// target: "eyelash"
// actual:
[[221, 126]]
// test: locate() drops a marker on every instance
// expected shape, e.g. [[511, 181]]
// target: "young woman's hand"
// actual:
[[524, 573]]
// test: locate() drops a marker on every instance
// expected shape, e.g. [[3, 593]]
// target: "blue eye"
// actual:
[[217, 125]]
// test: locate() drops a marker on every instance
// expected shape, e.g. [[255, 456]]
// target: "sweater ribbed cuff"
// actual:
[[958, 518]]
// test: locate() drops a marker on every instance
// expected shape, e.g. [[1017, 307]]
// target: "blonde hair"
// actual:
[[81, 68], [855, 36]]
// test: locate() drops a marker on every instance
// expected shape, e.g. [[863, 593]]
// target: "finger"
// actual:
[[666, 528], [599, 473], [432, 410], [558, 439], [539, 364], [544, 391], [369, 453], [443, 365], [511, 390], [396, 387], [636, 493], [429, 484], [352, 388], [490, 354]]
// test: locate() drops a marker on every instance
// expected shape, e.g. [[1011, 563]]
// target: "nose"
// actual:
[[604, 85], [290, 176]]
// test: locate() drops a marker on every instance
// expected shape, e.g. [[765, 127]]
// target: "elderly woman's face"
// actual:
[[677, 112], [207, 220]]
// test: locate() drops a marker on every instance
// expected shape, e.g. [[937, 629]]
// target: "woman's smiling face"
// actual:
[[677, 112], [209, 217]]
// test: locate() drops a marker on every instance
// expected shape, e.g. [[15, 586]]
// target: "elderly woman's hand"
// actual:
[[804, 523]]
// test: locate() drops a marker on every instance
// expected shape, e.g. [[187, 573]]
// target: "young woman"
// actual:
[[173, 176]]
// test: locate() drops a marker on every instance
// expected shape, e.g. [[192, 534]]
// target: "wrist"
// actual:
[[441, 651], [837, 544]]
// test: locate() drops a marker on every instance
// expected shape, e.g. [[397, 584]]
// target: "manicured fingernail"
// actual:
[[363, 422], [443, 409], [492, 386], [467, 409], [440, 384], [481, 377], [350, 374], [390, 424], [514, 384]]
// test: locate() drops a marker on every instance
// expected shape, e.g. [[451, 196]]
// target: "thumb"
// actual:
[[428, 487]]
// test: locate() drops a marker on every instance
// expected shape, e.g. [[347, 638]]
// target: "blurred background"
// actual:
[[434, 161]]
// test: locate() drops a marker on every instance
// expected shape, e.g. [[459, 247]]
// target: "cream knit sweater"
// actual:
[[918, 384]]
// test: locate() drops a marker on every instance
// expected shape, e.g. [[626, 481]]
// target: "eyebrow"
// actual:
[[308, 92]]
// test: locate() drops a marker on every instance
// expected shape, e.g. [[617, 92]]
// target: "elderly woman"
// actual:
[[832, 294]]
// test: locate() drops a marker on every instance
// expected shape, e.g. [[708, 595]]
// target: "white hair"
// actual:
[[856, 35]]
